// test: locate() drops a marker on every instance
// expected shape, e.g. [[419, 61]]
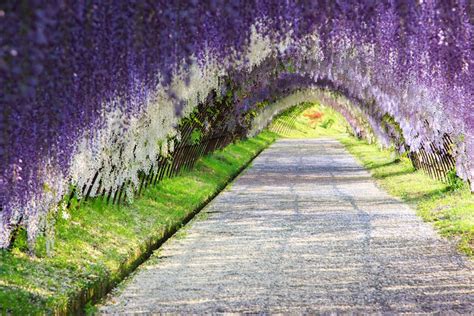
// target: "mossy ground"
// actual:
[[99, 240]]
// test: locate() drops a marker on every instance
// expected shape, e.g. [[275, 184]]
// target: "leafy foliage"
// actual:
[[454, 182]]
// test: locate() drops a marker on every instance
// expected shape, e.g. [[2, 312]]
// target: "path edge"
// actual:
[[92, 294]]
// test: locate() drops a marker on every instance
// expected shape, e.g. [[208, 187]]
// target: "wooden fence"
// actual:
[[436, 162], [187, 150]]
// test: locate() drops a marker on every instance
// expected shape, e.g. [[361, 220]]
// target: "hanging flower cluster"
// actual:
[[103, 85]]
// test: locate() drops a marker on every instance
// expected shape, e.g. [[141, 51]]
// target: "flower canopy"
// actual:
[[103, 84]]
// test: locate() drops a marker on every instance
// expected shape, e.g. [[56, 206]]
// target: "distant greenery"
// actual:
[[98, 242], [331, 123]]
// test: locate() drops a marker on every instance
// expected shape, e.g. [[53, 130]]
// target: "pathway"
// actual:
[[305, 229]]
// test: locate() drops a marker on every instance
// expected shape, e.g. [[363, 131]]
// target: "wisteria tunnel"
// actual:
[[103, 100]]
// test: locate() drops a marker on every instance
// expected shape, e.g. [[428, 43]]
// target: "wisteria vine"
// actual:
[[89, 85]]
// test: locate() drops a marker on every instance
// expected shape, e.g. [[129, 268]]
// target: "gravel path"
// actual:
[[305, 229]]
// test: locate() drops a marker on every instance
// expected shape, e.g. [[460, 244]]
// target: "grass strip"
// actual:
[[449, 208], [98, 244]]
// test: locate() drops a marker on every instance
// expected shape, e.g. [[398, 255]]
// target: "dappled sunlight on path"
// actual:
[[305, 229]]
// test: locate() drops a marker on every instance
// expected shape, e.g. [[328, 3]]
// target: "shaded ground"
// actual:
[[305, 229]]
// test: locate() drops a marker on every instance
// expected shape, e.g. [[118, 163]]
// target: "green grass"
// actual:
[[100, 242], [450, 211]]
